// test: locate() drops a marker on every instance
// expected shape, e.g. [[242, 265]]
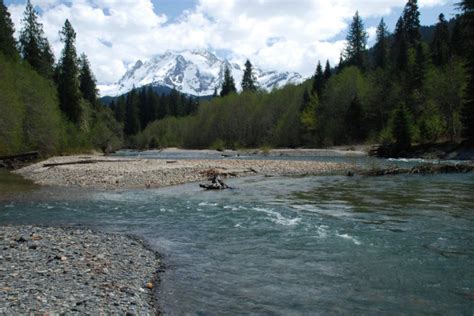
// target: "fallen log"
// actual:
[[423, 169], [17, 160], [22, 156], [81, 162]]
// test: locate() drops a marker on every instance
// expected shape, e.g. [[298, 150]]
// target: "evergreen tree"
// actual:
[[440, 44], [215, 93], [308, 119], [248, 79], [68, 76], [119, 111], [356, 50], [34, 46], [228, 86], [402, 128], [380, 48], [7, 30], [457, 38], [327, 71], [354, 121], [87, 82], [318, 80], [411, 19], [132, 115], [399, 52], [467, 7]]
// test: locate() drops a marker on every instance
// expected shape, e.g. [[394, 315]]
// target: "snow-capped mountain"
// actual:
[[196, 73]]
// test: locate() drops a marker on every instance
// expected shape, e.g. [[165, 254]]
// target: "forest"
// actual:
[[408, 88]]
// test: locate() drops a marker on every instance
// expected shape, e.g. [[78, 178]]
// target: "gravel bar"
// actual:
[[120, 173], [56, 270]]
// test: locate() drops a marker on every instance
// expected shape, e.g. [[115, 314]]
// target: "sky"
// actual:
[[283, 35]]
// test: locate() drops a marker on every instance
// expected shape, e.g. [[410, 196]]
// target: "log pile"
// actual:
[[18, 160], [424, 169]]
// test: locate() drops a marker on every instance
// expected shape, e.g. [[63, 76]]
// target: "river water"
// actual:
[[307, 245]]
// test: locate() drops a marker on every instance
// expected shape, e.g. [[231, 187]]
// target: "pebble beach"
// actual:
[[54, 270], [122, 173]]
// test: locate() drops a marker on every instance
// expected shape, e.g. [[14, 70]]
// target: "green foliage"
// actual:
[[411, 18], [318, 80], [228, 86], [7, 30], [402, 129], [356, 50], [34, 45], [87, 82], [440, 44], [30, 118], [381, 46], [68, 76], [248, 79]]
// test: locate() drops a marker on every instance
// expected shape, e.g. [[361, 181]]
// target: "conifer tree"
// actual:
[[327, 71], [440, 44], [318, 80], [132, 115], [228, 86], [120, 109], [402, 128], [34, 45], [354, 121], [248, 79], [215, 93], [467, 7], [68, 76], [7, 30], [356, 46], [411, 19], [381, 45], [399, 52], [457, 38], [87, 80]]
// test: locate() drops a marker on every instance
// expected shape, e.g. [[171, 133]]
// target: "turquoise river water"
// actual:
[[307, 245]]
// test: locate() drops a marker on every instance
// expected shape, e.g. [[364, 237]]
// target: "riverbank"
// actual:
[[120, 173], [54, 270]]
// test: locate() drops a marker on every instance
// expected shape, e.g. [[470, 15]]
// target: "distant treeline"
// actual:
[[405, 89]]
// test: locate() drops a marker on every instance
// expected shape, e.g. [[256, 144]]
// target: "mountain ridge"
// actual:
[[195, 72]]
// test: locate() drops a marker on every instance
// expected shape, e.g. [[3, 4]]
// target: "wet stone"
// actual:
[[55, 271]]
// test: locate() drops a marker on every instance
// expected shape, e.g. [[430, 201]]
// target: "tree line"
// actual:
[[47, 105], [404, 89]]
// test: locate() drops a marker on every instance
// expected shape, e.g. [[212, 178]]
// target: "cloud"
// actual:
[[284, 35]]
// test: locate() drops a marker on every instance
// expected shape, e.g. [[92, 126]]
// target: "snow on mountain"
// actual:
[[196, 72]]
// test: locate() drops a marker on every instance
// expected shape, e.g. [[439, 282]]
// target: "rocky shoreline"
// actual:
[[102, 172], [55, 270]]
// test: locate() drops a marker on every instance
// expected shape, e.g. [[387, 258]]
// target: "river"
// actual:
[[305, 245]]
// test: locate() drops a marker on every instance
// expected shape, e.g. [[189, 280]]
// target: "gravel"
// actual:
[[114, 173], [54, 270]]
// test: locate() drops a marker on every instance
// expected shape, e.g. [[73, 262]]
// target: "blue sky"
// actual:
[[284, 35]]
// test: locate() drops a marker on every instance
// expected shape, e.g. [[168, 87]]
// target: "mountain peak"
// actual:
[[196, 72]]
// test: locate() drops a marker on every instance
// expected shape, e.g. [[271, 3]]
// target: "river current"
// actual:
[[305, 245]]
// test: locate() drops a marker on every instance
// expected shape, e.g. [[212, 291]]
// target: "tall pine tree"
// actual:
[[248, 79], [440, 44], [68, 76], [88, 85], [411, 19], [380, 48], [327, 71], [7, 30], [34, 45], [228, 86], [318, 80], [132, 115], [356, 46], [399, 53], [467, 7]]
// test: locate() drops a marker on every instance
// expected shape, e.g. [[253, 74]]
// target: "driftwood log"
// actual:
[[14, 161], [423, 169], [80, 162]]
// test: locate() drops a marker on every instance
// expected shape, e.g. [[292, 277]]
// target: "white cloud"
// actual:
[[275, 34]]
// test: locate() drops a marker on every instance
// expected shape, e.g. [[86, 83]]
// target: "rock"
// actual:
[[21, 240], [149, 285]]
